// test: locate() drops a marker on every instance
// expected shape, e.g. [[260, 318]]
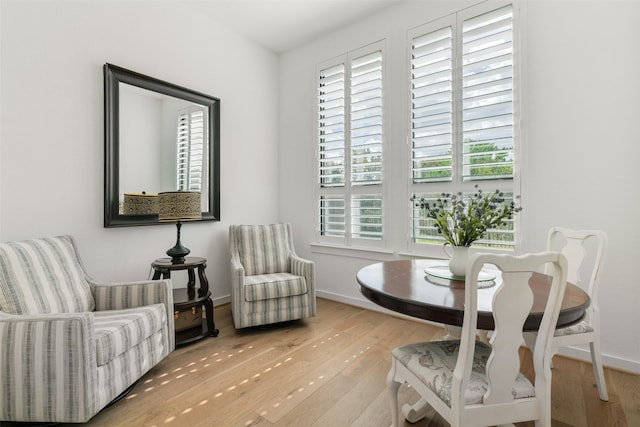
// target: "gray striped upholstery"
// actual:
[[276, 285], [119, 296], [263, 249], [51, 267], [119, 330], [67, 365], [270, 283]]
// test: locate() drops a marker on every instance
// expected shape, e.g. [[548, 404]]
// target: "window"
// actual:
[[350, 148], [462, 112], [190, 149]]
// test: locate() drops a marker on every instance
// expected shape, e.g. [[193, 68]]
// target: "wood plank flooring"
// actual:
[[327, 371]]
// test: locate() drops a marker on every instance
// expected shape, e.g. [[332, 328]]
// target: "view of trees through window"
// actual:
[[350, 146], [461, 115], [485, 158]]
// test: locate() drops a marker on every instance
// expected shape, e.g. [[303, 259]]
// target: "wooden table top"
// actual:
[[189, 262], [402, 286]]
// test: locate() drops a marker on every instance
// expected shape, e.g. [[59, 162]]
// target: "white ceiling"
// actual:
[[280, 25]]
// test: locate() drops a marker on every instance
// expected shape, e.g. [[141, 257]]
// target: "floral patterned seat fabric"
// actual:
[[433, 362]]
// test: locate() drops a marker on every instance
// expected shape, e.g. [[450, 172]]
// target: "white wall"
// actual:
[[581, 121], [51, 170], [582, 65]]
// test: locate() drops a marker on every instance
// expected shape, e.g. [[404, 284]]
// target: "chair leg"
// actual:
[[596, 361], [530, 340], [393, 387]]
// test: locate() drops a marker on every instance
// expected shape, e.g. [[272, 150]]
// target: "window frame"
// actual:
[[349, 190], [457, 184]]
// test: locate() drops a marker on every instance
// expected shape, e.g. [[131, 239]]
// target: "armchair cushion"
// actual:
[[278, 285], [117, 331], [263, 249], [57, 283]]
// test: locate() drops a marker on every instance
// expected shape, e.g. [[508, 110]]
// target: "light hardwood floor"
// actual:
[[327, 371]]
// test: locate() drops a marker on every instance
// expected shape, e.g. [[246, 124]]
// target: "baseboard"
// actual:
[[618, 363], [221, 300]]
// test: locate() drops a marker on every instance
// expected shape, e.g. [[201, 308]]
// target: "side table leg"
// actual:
[[204, 283], [191, 283], [211, 326]]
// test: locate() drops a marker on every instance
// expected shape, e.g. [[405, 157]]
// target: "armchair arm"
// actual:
[[48, 367], [117, 296], [304, 267], [237, 285]]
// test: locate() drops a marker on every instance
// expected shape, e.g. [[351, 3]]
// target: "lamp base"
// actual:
[[178, 252]]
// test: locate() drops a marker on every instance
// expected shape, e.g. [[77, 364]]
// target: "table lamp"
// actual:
[[178, 206]]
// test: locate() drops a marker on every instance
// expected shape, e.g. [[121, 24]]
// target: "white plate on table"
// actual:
[[437, 273]]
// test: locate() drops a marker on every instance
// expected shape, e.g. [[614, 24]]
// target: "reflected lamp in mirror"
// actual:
[[140, 204], [178, 206]]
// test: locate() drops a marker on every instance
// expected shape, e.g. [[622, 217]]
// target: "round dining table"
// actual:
[[404, 286]]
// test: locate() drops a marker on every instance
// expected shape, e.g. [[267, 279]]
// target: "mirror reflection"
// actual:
[[158, 137], [163, 147]]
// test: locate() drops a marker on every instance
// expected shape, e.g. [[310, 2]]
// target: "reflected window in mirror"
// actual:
[[190, 149]]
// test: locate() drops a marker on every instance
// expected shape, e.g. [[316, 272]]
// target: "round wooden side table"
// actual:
[[186, 301]]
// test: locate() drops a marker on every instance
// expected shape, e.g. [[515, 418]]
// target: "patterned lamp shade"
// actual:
[[140, 204], [179, 206]]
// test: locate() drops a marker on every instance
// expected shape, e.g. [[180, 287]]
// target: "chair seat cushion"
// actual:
[[578, 328], [433, 363], [118, 330], [277, 285]]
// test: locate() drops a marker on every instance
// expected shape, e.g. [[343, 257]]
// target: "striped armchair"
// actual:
[[270, 283], [71, 345]]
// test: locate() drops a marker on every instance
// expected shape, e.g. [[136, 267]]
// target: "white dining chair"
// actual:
[[472, 383], [584, 250]]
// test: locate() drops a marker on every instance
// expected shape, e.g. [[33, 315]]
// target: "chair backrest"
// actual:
[[264, 249], [512, 302], [43, 276], [584, 250]]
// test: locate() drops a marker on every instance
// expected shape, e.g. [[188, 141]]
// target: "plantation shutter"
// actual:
[[190, 149], [331, 125], [350, 147], [432, 106], [332, 216], [463, 129], [366, 216], [487, 95], [366, 119], [182, 146]]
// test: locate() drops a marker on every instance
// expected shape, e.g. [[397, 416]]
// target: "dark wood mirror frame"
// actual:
[[114, 75]]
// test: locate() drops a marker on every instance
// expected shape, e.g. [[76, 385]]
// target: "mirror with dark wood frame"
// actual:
[[158, 137]]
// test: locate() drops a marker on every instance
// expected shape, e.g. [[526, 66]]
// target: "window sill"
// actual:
[[353, 252]]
